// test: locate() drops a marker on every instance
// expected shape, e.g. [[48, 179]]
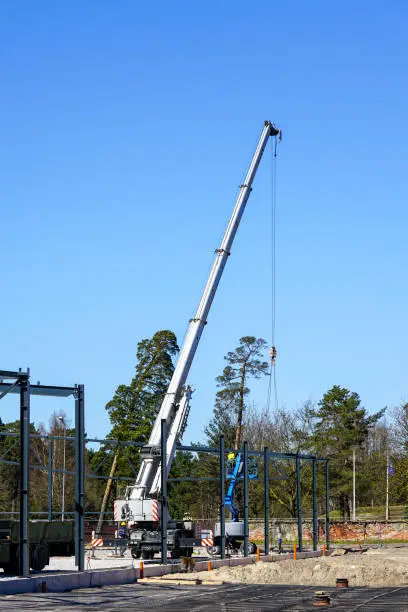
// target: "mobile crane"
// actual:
[[140, 508]]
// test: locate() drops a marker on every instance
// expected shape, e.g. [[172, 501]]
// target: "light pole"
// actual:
[[387, 503], [355, 445], [354, 483], [61, 420]]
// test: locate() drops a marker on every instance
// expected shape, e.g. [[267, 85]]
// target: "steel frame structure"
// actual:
[[19, 383], [267, 457]]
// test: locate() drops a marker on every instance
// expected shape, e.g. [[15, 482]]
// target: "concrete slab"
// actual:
[[239, 598]]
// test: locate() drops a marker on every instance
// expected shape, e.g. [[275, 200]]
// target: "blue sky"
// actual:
[[126, 130]]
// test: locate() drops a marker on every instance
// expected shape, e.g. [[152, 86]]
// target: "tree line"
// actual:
[[336, 427]]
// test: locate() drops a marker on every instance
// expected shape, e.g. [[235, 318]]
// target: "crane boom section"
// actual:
[[169, 405]]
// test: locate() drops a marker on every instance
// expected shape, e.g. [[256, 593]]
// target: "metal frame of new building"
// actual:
[[19, 383], [267, 456]]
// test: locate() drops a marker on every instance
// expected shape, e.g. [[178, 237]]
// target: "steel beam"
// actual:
[[47, 390], [315, 518], [222, 497], [12, 388], [24, 555], [79, 477], [15, 375], [266, 501], [327, 511], [163, 515], [50, 474], [194, 479], [299, 503], [271, 454], [246, 526]]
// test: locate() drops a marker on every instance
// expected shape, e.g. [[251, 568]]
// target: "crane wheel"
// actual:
[[39, 556]]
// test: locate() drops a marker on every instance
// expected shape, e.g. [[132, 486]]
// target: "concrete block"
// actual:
[[69, 581]]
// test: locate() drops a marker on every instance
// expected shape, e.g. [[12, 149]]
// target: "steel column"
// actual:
[[315, 520], [327, 510], [222, 497], [246, 527], [299, 504], [50, 480], [79, 477], [163, 515], [24, 556], [266, 500]]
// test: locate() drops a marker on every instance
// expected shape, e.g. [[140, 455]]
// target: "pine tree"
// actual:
[[134, 407], [341, 424], [243, 363]]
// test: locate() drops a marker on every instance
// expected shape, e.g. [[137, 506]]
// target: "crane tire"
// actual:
[[39, 556]]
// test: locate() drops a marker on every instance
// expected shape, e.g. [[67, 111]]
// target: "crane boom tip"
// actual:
[[274, 130]]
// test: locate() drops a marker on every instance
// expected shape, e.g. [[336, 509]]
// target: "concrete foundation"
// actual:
[[97, 578]]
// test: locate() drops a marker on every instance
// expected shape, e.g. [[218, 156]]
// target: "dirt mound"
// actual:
[[359, 569]]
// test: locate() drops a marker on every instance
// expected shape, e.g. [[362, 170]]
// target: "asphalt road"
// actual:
[[226, 598]]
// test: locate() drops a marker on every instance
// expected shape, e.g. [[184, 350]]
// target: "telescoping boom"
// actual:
[[175, 404]]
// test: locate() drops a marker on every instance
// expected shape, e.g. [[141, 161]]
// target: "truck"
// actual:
[[141, 507], [46, 539]]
